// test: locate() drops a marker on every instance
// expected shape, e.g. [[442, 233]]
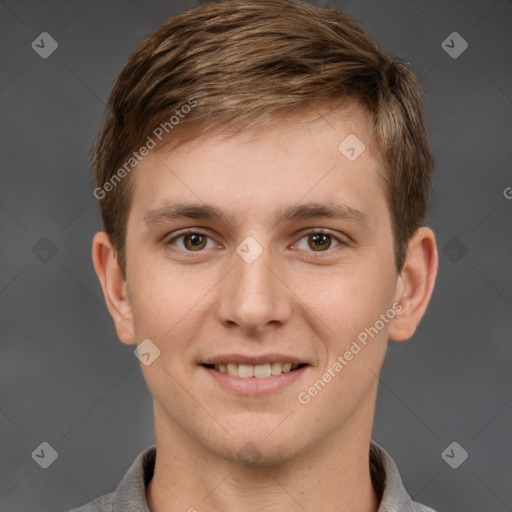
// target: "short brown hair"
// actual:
[[247, 62]]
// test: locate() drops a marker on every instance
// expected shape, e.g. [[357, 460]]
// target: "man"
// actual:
[[263, 177]]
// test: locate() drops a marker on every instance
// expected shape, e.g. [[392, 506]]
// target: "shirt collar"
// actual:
[[386, 479], [130, 495]]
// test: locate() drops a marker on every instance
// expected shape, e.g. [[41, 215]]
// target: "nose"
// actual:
[[253, 296]]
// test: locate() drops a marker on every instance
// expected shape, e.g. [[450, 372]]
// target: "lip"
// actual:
[[254, 386], [254, 360]]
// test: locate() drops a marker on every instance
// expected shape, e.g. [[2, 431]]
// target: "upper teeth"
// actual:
[[259, 370]]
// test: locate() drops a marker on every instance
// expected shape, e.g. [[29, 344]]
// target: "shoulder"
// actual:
[[101, 504]]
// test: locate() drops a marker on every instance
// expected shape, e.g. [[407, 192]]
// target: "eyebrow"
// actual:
[[311, 210]]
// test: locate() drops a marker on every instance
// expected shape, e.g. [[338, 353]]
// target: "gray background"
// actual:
[[67, 380]]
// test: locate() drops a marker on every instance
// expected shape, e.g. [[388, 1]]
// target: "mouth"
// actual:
[[255, 375], [259, 371]]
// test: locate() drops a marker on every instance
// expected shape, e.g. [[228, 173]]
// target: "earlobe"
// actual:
[[415, 284], [114, 287]]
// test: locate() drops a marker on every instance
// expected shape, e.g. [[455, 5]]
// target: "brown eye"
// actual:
[[319, 241], [194, 241], [191, 241]]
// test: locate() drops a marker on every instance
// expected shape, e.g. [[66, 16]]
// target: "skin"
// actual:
[[292, 299]]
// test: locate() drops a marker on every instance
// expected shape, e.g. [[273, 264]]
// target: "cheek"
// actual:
[[349, 300], [164, 300], [350, 304]]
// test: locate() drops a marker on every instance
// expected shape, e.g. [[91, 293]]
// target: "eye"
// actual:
[[318, 241], [192, 241]]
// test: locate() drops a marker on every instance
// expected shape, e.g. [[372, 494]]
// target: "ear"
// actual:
[[415, 284], [113, 285]]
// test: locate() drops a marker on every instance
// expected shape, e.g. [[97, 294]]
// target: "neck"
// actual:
[[187, 478]]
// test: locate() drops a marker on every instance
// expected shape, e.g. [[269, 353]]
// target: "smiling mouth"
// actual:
[[260, 371]]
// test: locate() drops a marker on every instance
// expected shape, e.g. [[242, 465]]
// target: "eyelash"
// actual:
[[305, 233]]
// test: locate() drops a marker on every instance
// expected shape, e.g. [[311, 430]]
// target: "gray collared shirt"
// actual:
[[130, 496]]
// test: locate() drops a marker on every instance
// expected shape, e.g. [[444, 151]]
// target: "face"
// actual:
[[266, 247]]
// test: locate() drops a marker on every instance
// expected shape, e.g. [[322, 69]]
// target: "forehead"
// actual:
[[319, 157]]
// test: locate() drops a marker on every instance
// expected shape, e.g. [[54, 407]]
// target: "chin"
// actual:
[[262, 447], [256, 454]]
